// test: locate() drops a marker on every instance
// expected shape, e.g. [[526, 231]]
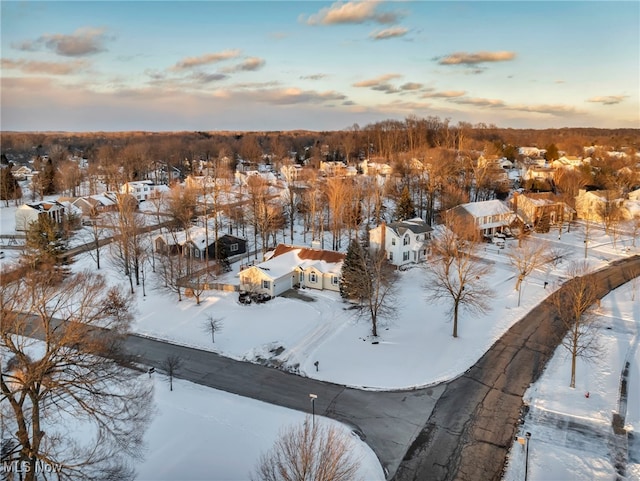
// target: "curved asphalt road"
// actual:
[[387, 421], [473, 423]]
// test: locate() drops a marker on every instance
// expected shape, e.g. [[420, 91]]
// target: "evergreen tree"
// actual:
[[44, 243], [551, 153], [354, 272], [9, 187], [222, 256], [405, 208]]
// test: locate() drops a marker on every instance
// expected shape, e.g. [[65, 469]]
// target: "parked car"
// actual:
[[498, 241]]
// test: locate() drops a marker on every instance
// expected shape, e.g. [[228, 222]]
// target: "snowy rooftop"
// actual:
[[487, 207], [286, 257]]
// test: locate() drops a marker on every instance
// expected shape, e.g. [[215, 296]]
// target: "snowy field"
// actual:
[[200, 433], [571, 433]]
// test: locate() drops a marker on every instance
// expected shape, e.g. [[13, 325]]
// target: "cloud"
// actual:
[[447, 94], [392, 32], [84, 41], [480, 102], [351, 12], [462, 58], [205, 78], [248, 65], [549, 109], [381, 80], [400, 106], [557, 109], [281, 96], [411, 86], [191, 62], [51, 68], [315, 76], [608, 99]]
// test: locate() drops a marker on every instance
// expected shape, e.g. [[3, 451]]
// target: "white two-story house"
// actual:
[[404, 242]]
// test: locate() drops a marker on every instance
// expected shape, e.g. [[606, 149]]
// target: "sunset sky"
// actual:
[[271, 65]]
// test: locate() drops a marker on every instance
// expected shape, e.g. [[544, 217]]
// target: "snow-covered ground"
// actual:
[[200, 433], [415, 348], [571, 429]]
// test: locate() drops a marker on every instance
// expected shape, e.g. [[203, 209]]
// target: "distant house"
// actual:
[[21, 172], [143, 189], [404, 242], [595, 204], [487, 218], [92, 204], [29, 213], [193, 243], [541, 210], [291, 266]]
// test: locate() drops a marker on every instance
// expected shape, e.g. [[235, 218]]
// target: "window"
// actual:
[[393, 241], [313, 278], [334, 280], [405, 256], [233, 247], [406, 240], [266, 284], [418, 237], [390, 256]]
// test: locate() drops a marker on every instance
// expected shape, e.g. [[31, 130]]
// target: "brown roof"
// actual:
[[307, 253]]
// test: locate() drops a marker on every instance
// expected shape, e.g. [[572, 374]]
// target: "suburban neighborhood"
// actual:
[[280, 270], [350, 240]]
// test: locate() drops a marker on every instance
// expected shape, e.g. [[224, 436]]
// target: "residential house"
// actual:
[[291, 266], [487, 217], [92, 204], [29, 213], [541, 210], [21, 172], [143, 189], [372, 168], [595, 205], [332, 168], [193, 243], [404, 242]]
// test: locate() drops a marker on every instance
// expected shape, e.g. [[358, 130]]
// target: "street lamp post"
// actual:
[[313, 409], [526, 455]]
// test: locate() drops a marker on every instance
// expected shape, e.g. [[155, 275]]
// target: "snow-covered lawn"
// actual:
[[200, 433], [571, 429]]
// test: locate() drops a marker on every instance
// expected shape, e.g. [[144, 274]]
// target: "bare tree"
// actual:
[[171, 365], [587, 230], [75, 377], [125, 249], [457, 275], [573, 305], [172, 266], [212, 325], [310, 451], [525, 259]]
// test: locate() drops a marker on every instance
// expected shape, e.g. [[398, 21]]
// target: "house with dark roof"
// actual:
[[404, 242], [26, 214], [541, 210]]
